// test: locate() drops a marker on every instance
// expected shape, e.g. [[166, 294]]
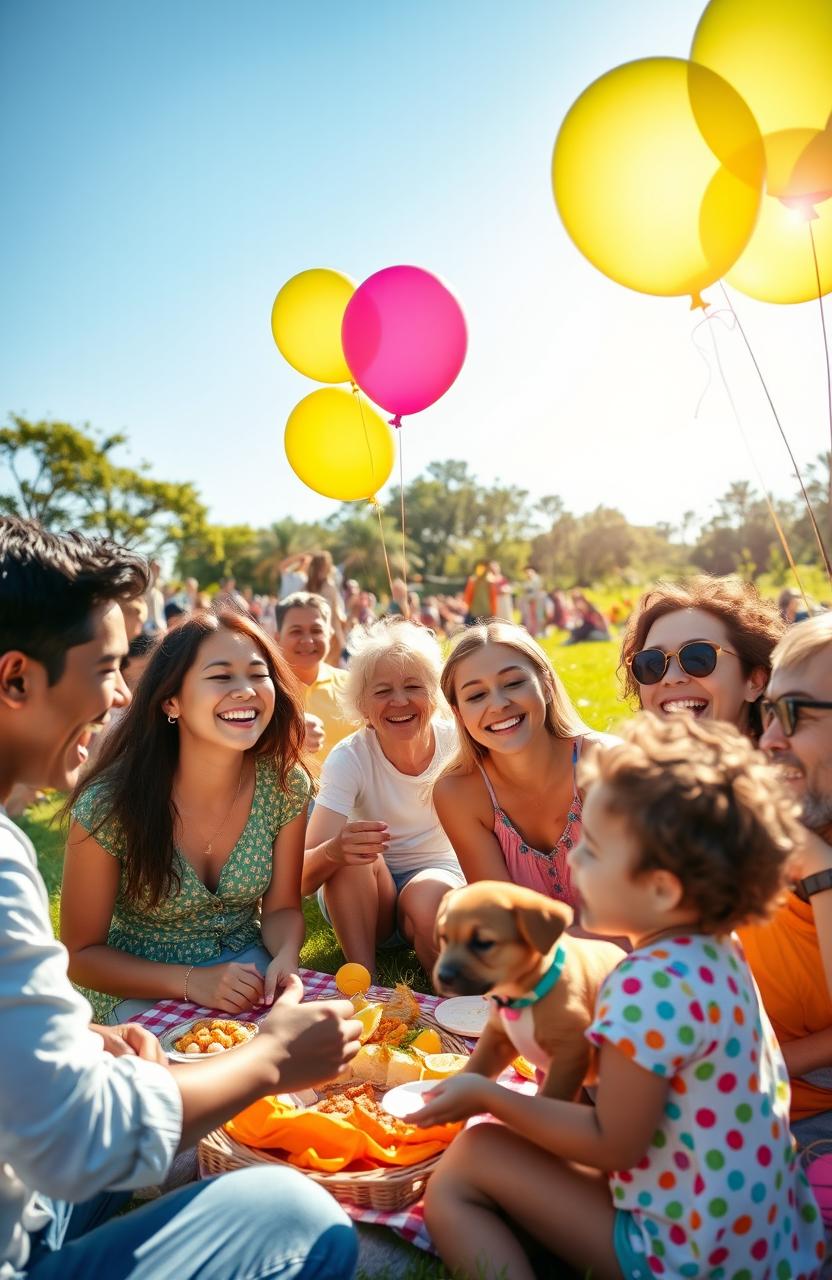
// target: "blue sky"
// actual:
[[168, 164]]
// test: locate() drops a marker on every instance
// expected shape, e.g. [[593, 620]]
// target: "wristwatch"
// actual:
[[814, 884]]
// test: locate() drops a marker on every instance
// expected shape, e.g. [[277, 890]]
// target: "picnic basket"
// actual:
[[386, 1189]]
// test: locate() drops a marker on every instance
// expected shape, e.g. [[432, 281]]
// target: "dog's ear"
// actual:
[[440, 916], [542, 923]]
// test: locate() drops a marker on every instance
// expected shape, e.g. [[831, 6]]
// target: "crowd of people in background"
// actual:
[[487, 593]]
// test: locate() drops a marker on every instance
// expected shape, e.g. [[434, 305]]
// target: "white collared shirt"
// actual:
[[74, 1121]]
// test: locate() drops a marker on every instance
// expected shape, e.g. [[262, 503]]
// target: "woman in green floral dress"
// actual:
[[183, 866]]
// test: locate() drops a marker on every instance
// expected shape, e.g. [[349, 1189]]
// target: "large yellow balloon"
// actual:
[[338, 445], [657, 173], [776, 53], [306, 323], [778, 264]]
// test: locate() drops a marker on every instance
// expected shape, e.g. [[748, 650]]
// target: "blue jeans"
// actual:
[[246, 1225]]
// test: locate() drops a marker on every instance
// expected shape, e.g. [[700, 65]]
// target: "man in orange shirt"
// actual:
[[791, 955]]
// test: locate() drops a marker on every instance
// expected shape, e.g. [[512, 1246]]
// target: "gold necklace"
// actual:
[[209, 848]]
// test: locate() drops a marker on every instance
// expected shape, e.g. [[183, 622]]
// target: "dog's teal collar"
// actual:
[[542, 989]]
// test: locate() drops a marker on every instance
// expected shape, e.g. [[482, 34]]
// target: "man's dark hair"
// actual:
[[142, 644], [50, 583]]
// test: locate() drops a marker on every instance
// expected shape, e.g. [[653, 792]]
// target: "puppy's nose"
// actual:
[[446, 973]]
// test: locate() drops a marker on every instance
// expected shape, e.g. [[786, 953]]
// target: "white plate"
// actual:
[[168, 1039], [406, 1099], [466, 1015]]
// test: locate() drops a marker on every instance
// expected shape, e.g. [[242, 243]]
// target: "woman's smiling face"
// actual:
[[499, 697], [227, 696], [396, 702], [723, 694]]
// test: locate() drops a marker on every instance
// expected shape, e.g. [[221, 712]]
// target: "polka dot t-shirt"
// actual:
[[719, 1192]]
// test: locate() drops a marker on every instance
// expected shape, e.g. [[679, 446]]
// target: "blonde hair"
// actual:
[[562, 720], [803, 640], [412, 647], [702, 803]]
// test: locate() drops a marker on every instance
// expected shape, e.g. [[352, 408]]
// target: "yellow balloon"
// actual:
[[657, 173], [778, 264], [306, 323], [338, 445], [776, 53]]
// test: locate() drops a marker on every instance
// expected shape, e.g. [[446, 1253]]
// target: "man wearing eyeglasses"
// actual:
[[791, 955]]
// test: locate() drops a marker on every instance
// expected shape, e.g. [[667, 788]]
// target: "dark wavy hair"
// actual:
[[50, 583], [138, 759], [753, 624]]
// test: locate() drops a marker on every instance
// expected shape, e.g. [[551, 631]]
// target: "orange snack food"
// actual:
[[214, 1035]]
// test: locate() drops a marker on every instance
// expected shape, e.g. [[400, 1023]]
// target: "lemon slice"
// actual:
[[429, 1041], [525, 1069], [438, 1066], [352, 978], [369, 1017]]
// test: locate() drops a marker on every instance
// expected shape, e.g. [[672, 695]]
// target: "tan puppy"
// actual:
[[508, 942]]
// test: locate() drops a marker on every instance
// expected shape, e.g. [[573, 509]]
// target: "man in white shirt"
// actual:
[[87, 1113]]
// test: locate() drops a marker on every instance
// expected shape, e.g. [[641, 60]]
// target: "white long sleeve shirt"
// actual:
[[74, 1120]]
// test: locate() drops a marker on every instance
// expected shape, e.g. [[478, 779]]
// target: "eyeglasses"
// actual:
[[788, 711], [697, 658]]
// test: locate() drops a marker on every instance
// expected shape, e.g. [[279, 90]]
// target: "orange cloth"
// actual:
[[784, 957], [329, 1144]]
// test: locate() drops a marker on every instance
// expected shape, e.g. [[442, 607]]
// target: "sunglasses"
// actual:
[[788, 711], [697, 658]]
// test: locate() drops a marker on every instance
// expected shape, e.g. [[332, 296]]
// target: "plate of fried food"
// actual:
[[201, 1038]]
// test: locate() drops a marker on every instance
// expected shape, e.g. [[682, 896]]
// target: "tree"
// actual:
[[357, 547], [441, 510], [65, 477]]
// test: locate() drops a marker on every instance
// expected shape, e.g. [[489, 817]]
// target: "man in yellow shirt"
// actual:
[[304, 634]]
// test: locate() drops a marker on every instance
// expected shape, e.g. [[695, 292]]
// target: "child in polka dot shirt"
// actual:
[[685, 1167]]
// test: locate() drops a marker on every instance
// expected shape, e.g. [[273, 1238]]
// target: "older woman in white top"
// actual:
[[375, 849]]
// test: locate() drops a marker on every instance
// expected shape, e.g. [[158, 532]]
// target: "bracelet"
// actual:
[[817, 883], [187, 976]]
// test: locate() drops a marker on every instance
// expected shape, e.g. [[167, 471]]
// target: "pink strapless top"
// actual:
[[547, 873]]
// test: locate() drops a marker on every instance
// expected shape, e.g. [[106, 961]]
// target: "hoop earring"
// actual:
[[173, 719]]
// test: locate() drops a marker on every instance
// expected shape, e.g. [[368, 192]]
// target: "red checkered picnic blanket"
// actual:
[[408, 1222]]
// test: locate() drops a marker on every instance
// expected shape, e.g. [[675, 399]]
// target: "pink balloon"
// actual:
[[404, 338]]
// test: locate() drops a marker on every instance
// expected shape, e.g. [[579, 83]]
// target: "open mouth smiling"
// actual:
[[505, 726], [696, 706], [243, 716]]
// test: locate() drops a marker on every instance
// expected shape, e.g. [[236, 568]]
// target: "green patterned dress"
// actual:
[[194, 926]]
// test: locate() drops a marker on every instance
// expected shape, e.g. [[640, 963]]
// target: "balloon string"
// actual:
[[826, 353], [775, 519], [357, 395], [818, 538], [404, 536], [376, 505]]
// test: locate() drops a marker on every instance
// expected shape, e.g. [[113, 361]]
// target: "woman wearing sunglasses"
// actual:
[[703, 647]]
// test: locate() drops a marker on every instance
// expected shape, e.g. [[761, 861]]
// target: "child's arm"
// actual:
[[614, 1134]]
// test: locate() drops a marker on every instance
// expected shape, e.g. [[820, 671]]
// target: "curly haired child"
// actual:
[[686, 1166]]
